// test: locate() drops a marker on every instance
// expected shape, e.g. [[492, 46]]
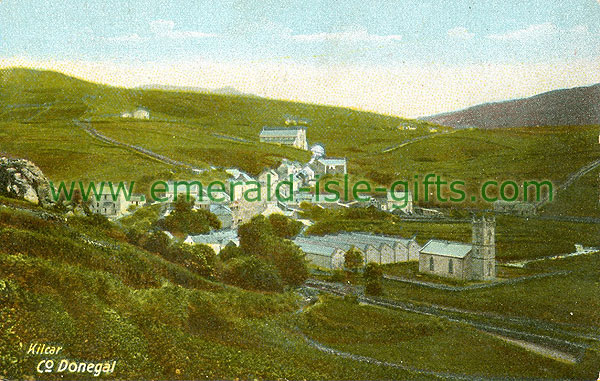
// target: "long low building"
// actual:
[[376, 248], [328, 257]]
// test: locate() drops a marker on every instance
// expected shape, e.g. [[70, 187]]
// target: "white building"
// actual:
[[141, 113], [289, 136], [217, 240]]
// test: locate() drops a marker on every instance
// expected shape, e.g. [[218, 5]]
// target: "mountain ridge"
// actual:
[[573, 106]]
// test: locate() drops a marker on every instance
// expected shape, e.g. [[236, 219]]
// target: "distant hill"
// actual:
[[227, 90], [567, 107]]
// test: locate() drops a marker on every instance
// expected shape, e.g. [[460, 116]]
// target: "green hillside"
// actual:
[[80, 283], [159, 320]]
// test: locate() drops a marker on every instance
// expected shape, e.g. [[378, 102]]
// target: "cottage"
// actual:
[[475, 261], [141, 113], [217, 240], [515, 208], [329, 166], [223, 213], [290, 136], [400, 201], [109, 205]]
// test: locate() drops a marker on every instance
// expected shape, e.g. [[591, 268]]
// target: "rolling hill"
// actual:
[[567, 107]]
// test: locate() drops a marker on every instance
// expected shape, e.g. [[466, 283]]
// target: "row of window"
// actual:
[[450, 265]]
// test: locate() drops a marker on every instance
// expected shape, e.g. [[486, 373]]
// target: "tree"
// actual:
[[289, 260], [284, 227], [252, 273], [229, 252], [188, 221], [254, 235], [353, 259], [157, 242], [373, 277], [197, 258]]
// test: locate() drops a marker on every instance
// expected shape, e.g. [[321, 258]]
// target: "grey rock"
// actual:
[[22, 179]]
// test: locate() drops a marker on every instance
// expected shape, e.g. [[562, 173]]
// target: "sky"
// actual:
[[400, 57]]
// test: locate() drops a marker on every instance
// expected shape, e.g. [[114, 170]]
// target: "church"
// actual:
[[474, 261]]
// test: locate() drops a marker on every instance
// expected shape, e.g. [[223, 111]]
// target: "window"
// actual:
[[489, 270], [450, 267], [431, 266]]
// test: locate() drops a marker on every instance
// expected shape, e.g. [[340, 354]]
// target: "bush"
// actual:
[[289, 260], [253, 274], [373, 275], [156, 242], [353, 259], [188, 221], [283, 226], [229, 252], [254, 235], [197, 258], [338, 276]]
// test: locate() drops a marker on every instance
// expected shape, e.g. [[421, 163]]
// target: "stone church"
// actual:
[[474, 261]]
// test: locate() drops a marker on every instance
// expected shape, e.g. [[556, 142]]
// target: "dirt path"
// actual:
[[573, 347], [541, 350], [86, 126]]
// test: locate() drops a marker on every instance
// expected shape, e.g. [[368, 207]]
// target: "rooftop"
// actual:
[[447, 248]]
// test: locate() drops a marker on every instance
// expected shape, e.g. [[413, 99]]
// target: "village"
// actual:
[[465, 261]]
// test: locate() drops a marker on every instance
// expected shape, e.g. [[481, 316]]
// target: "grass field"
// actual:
[[570, 299], [422, 342]]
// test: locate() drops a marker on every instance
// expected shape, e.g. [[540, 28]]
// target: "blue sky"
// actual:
[[387, 41]]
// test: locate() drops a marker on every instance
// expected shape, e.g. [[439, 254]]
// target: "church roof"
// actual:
[[288, 132], [447, 248]]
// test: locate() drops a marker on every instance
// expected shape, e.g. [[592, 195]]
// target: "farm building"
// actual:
[[141, 113]]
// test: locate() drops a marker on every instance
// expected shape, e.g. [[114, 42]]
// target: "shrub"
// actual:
[[253, 274], [289, 260], [229, 252], [283, 226], [197, 258], [353, 259], [254, 235]]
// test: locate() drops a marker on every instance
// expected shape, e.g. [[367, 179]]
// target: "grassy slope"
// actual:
[[161, 321], [422, 342], [155, 318]]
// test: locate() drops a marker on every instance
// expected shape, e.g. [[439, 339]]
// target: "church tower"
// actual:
[[483, 265]]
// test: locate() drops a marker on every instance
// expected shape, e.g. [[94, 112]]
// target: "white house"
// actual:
[[217, 240], [141, 113], [400, 201]]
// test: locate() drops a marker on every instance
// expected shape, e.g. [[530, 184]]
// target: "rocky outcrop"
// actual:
[[21, 179]]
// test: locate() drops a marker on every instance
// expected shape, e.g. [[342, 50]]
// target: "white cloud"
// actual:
[[461, 33], [530, 33], [166, 29], [127, 38], [580, 29], [351, 36]]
